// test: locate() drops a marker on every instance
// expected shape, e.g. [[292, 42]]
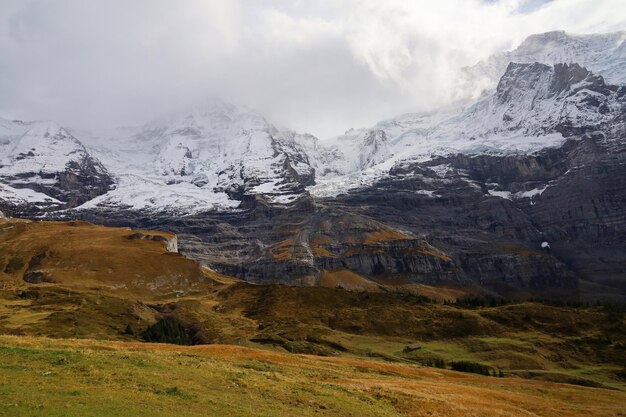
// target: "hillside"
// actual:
[[78, 255], [75, 279], [78, 280], [97, 378]]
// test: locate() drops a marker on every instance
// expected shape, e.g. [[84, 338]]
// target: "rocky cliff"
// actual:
[[43, 165], [521, 193], [546, 221]]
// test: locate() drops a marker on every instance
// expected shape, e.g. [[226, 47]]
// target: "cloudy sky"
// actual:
[[320, 66]]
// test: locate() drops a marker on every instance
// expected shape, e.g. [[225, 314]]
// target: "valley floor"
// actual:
[[71, 377]]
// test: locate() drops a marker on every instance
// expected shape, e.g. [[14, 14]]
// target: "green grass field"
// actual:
[[48, 377]]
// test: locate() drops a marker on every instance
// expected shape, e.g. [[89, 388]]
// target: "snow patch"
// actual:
[[531, 193], [20, 196], [501, 194]]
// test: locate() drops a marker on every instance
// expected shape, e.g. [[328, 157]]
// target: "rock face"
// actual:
[[170, 242], [43, 163], [601, 53], [471, 218], [474, 224], [568, 99], [328, 239], [521, 193]]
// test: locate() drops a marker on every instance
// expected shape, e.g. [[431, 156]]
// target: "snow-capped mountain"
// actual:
[[359, 149], [534, 106], [42, 163], [603, 54], [214, 155], [517, 110], [207, 158], [468, 193]]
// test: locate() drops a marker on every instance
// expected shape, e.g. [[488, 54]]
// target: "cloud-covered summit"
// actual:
[[320, 66]]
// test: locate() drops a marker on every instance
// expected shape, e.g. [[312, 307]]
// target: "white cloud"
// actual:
[[320, 66]]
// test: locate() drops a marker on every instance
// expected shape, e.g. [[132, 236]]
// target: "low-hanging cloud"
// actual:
[[318, 66]]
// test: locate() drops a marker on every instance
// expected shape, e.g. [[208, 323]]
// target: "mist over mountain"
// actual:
[[315, 67]]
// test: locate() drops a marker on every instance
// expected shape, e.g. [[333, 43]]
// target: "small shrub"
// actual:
[[15, 264], [436, 363], [167, 330], [471, 367], [614, 313], [169, 391]]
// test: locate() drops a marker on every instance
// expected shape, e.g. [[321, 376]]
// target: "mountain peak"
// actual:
[[539, 38], [560, 42], [604, 54], [557, 79], [211, 155], [520, 77], [565, 76], [46, 158]]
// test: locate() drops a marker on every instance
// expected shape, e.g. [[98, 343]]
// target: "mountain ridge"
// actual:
[[211, 156], [54, 166], [520, 194]]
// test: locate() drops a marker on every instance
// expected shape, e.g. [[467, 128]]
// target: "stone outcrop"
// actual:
[[169, 240]]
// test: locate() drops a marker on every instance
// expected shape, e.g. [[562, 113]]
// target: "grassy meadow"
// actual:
[[77, 301]]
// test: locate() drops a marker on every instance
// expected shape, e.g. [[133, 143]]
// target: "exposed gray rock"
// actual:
[[46, 158], [171, 244], [476, 220]]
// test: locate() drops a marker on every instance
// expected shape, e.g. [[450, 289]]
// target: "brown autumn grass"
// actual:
[[81, 255], [347, 279], [96, 378]]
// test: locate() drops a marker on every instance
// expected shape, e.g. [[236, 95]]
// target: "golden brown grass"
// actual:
[[91, 378], [385, 236], [80, 255], [347, 279], [440, 293], [320, 239], [282, 250]]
